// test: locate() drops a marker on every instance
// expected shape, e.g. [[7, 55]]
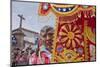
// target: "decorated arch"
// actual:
[[75, 32]]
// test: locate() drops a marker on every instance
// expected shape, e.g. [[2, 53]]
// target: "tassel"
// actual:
[[79, 14], [85, 14]]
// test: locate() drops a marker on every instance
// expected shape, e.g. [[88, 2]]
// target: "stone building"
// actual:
[[22, 38]]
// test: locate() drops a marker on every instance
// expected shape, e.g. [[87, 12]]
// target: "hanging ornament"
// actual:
[[45, 6], [44, 9]]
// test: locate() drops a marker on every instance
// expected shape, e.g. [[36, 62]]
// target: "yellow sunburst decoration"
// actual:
[[71, 35]]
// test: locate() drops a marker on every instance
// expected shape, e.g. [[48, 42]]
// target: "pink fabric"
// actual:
[[35, 59], [43, 59]]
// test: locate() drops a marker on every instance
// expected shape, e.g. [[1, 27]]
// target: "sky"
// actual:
[[32, 21]]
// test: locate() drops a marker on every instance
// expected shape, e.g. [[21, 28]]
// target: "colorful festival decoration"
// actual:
[[75, 32]]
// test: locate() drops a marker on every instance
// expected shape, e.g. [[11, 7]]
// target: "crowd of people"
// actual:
[[40, 55]]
